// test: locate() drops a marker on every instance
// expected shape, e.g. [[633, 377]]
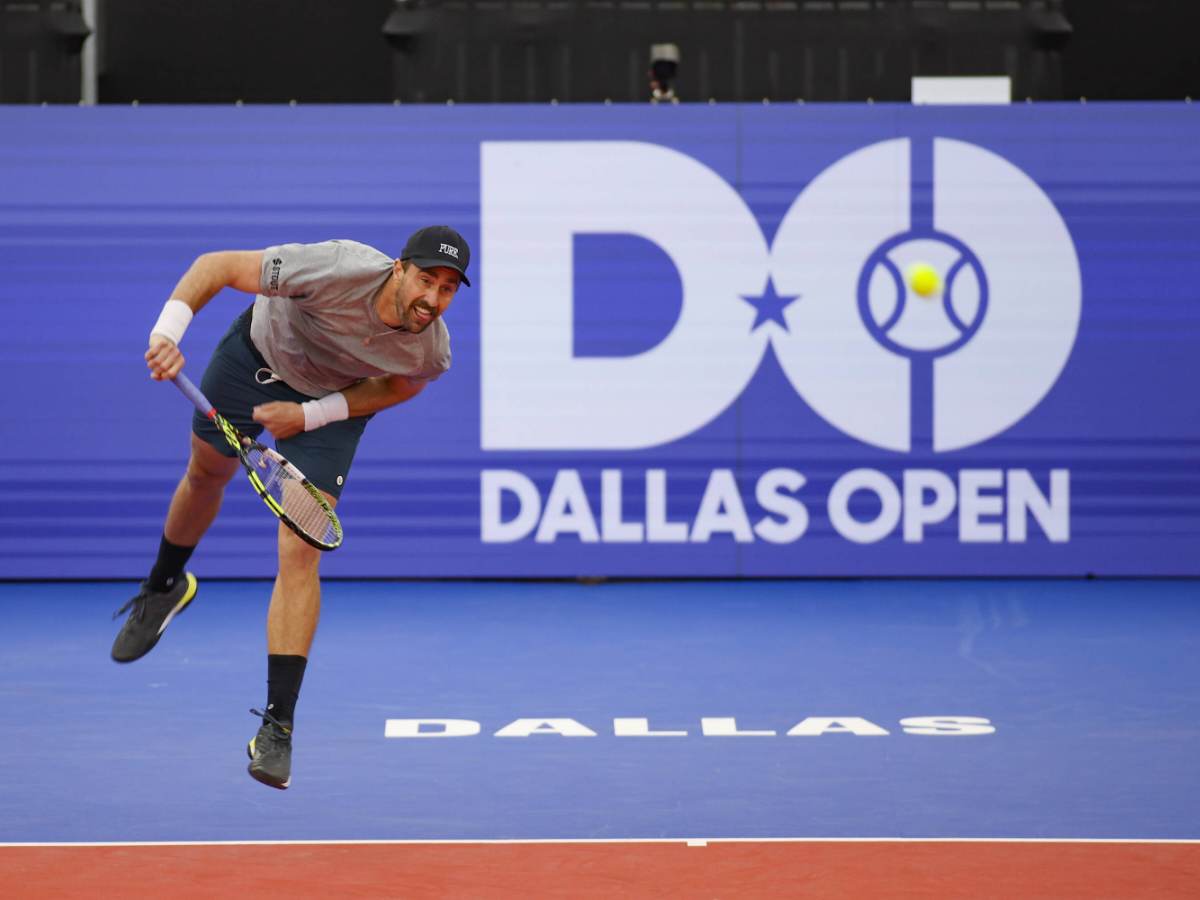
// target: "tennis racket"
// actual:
[[292, 497]]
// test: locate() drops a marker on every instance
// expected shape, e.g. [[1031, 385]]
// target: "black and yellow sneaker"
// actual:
[[270, 752], [152, 613]]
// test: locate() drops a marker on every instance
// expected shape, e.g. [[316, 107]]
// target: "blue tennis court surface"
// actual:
[[1089, 685]]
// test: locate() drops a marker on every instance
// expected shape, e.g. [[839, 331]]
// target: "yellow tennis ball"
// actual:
[[924, 279]]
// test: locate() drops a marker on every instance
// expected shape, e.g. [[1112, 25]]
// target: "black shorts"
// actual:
[[323, 455]]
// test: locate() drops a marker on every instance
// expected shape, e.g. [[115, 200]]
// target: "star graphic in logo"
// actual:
[[769, 307]]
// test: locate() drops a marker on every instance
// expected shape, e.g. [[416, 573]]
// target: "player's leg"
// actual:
[[296, 597], [194, 506], [325, 456], [197, 498], [229, 382], [169, 589], [291, 624]]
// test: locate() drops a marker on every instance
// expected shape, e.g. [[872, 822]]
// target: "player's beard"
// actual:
[[408, 316], [405, 315]]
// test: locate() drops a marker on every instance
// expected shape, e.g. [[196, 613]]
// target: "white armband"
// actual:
[[173, 320], [330, 408]]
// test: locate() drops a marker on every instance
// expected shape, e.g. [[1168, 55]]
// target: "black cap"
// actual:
[[438, 245]]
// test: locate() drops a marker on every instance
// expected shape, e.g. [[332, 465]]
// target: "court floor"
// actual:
[[621, 739]]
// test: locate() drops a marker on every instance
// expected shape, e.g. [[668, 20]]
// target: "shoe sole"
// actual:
[[188, 596], [262, 777]]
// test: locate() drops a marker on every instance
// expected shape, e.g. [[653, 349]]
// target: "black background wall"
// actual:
[[40, 42], [1133, 49], [316, 51], [262, 51]]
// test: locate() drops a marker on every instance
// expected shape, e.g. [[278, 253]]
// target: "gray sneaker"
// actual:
[[270, 752], [152, 613]]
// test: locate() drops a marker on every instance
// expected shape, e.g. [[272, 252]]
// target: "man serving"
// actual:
[[338, 331]]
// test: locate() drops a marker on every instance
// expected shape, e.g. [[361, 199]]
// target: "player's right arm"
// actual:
[[238, 269]]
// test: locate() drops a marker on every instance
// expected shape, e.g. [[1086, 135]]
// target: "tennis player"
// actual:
[[337, 332]]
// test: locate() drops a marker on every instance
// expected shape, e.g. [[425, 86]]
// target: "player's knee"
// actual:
[[295, 553], [207, 469]]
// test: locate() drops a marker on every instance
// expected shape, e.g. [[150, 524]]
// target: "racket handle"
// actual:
[[193, 393]]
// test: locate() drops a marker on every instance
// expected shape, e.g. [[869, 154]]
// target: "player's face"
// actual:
[[424, 294]]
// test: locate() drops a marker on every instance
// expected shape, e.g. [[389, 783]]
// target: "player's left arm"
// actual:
[[373, 394], [284, 419]]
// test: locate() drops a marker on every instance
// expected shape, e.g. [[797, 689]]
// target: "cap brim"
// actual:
[[439, 264]]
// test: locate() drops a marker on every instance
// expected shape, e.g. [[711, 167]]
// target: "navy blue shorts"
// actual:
[[323, 455]]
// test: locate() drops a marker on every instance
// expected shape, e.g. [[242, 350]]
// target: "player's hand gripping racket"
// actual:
[[283, 487]]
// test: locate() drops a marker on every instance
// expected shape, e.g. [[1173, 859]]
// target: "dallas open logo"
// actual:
[[890, 369]]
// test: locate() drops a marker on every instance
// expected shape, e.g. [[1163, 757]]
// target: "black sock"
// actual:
[[169, 565], [284, 674]]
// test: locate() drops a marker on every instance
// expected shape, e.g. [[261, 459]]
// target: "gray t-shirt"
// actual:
[[315, 321]]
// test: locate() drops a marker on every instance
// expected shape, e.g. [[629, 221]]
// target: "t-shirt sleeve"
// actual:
[[296, 270], [442, 363], [439, 359]]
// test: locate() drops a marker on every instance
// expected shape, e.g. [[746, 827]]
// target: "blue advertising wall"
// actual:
[[692, 347]]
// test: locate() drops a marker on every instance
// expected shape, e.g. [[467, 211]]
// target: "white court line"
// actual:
[[689, 841]]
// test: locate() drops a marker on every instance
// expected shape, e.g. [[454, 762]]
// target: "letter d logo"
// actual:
[[535, 197]]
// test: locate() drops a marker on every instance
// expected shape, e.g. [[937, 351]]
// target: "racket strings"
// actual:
[[301, 503]]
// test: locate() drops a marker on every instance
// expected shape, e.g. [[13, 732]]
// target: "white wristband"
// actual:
[[173, 320], [330, 408]]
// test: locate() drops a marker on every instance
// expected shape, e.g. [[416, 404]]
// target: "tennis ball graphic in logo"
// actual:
[[908, 307]]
